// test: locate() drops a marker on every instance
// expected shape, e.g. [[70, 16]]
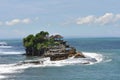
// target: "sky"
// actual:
[[70, 18]]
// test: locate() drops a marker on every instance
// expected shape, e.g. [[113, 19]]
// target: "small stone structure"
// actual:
[[54, 47]]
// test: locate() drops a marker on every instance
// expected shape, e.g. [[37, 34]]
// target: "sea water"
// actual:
[[105, 50]]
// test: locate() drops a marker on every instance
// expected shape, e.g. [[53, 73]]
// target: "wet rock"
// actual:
[[29, 62], [57, 57], [79, 55]]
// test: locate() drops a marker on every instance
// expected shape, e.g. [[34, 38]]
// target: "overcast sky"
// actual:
[[70, 18]]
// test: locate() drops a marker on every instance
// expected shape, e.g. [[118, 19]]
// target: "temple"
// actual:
[[61, 50], [53, 46]]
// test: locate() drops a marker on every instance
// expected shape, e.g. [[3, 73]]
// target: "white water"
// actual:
[[96, 56], [92, 58], [10, 53], [4, 45]]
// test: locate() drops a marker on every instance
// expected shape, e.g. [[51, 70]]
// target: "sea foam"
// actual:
[[96, 56], [5, 47], [10, 53], [91, 58]]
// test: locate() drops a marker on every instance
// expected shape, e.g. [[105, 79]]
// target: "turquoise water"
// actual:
[[107, 69]]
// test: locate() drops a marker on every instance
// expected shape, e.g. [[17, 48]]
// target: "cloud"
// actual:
[[13, 22], [17, 21], [86, 20], [26, 21], [117, 17], [107, 18]]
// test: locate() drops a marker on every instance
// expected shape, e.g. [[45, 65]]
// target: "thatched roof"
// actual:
[[52, 36], [56, 36]]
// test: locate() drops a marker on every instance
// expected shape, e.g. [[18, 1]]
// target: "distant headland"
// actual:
[[52, 46]]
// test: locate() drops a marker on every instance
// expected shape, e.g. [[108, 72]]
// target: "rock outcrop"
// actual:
[[57, 57], [79, 55], [53, 46], [71, 52]]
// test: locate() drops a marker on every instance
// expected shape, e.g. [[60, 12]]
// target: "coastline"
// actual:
[[103, 55], [41, 44]]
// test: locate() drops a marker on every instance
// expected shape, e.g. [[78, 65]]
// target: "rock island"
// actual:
[[52, 46]]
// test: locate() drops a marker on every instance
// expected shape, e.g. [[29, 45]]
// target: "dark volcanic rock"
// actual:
[[72, 52], [29, 62], [58, 57], [44, 45], [79, 55]]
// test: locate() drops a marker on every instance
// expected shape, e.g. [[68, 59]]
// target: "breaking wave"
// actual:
[[91, 58], [10, 53], [4, 45], [6, 49]]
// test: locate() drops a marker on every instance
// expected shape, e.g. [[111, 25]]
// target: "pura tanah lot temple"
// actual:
[[61, 50], [57, 48]]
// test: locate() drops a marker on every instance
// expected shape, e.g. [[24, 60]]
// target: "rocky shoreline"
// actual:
[[53, 46]]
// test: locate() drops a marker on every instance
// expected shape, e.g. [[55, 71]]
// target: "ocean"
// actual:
[[105, 50]]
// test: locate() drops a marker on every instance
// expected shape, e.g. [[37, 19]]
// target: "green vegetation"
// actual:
[[44, 45], [38, 44]]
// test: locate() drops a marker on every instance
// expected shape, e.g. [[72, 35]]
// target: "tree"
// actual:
[[28, 41], [37, 44], [40, 43]]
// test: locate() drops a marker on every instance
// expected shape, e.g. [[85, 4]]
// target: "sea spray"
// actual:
[[10, 53], [96, 56], [19, 68]]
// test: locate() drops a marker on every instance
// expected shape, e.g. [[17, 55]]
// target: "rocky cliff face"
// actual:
[[57, 57], [61, 56], [54, 46], [79, 55]]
